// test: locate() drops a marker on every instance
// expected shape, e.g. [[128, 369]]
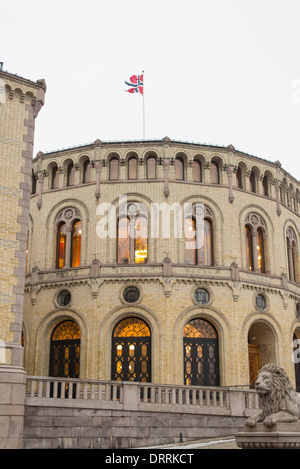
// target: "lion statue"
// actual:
[[278, 400]]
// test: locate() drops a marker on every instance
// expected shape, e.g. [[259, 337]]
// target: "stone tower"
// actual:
[[20, 103]]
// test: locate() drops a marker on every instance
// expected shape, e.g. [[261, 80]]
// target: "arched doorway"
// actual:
[[65, 350], [261, 348], [131, 351], [201, 354]]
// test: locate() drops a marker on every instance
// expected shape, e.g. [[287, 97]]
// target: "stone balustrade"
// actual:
[[140, 396]]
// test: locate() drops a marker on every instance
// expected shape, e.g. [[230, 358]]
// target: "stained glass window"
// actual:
[[199, 328], [66, 330], [131, 327], [61, 245], [76, 243]]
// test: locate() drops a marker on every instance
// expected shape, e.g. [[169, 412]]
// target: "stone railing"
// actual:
[[140, 396]]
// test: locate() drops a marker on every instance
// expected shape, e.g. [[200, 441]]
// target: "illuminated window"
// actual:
[[68, 244], [255, 230], [61, 245], [201, 356], [131, 351], [198, 232], [292, 254], [65, 350], [76, 243], [133, 235]]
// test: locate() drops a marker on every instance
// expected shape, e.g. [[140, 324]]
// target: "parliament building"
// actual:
[[152, 261], [125, 282]]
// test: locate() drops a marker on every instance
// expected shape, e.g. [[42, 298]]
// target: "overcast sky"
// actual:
[[216, 71]]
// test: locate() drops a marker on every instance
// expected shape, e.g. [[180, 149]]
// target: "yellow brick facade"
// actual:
[[166, 301]]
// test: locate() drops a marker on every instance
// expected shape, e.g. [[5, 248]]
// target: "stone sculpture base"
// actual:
[[281, 436]]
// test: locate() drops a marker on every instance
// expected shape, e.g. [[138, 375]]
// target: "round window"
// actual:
[[131, 294], [260, 302], [298, 310], [201, 296], [64, 298]]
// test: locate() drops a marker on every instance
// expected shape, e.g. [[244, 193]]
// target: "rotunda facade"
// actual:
[[161, 261]]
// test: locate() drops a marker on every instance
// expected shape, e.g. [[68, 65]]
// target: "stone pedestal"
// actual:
[[280, 436], [12, 405]]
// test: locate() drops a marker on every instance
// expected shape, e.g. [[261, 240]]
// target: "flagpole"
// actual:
[[143, 105]]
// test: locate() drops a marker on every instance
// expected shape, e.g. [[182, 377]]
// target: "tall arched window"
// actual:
[[255, 235], [198, 232], [114, 168], [70, 174], [179, 168], [61, 245], [65, 350], [54, 177], [265, 184], [131, 351], [133, 234], [252, 181], [201, 355], [239, 178], [68, 244], [132, 168], [76, 243], [151, 167], [292, 254], [197, 170], [86, 176], [214, 173]]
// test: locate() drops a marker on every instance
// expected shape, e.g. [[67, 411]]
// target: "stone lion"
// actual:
[[278, 400]]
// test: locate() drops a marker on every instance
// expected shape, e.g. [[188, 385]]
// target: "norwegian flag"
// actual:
[[136, 84]]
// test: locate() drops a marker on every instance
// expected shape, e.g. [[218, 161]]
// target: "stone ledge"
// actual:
[[281, 436]]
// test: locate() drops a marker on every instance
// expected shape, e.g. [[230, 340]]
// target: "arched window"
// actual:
[[201, 355], [76, 243], [86, 176], [54, 177], [61, 245], [132, 168], [69, 232], [214, 173], [114, 168], [65, 350], [255, 234], [265, 184], [179, 169], [198, 232], [252, 181], [239, 178], [151, 167], [292, 254], [197, 171], [131, 351], [133, 234], [70, 175]]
